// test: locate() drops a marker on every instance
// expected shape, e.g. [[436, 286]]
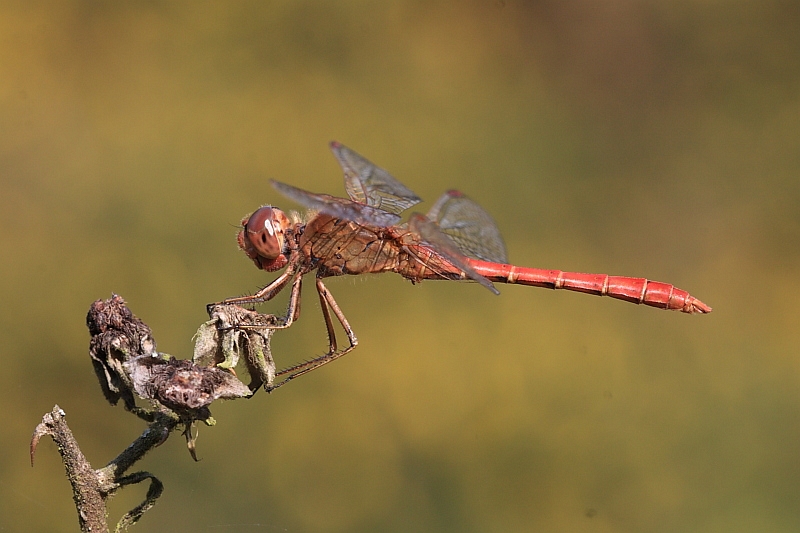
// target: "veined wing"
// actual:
[[471, 228], [338, 207], [369, 184], [444, 246]]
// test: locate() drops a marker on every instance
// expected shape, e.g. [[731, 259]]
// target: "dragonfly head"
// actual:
[[263, 238]]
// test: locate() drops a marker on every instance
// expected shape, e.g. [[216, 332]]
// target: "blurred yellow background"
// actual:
[[656, 139]]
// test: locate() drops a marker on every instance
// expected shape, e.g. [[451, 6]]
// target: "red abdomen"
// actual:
[[635, 290]]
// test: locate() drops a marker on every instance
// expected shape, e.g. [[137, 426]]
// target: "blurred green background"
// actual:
[[657, 139]]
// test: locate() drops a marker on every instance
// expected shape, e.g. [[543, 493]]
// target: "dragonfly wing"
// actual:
[[444, 246], [469, 226], [338, 207], [369, 184]]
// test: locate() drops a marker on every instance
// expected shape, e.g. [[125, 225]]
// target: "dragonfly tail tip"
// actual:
[[698, 307]]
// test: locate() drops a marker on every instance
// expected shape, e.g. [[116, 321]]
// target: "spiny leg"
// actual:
[[293, 311], [270, 291], [327, 301], [327, 315], [267, 293], [244, 333], [263, 295], [328, 297]]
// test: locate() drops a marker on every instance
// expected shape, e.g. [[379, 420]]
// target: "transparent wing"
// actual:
[[368, 184], [471, 228], [338, 207], [444, 246]]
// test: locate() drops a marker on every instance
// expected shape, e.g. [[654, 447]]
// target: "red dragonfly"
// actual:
[[456, 240]]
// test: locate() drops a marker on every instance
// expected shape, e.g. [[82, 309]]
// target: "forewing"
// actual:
[[471, 228], [444, 246], [338, 207], [369, 184]]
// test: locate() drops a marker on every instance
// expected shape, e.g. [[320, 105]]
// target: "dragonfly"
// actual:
[[456, 240]]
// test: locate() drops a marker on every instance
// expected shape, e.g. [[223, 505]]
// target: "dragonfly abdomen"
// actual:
[[634, 290]]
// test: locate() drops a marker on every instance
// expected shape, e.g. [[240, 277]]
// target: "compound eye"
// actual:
[[264, 231]]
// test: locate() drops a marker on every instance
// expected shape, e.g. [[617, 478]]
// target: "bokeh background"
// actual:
[[657, 139]]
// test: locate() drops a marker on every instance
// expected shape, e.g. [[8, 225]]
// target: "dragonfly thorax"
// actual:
[[263, 237]]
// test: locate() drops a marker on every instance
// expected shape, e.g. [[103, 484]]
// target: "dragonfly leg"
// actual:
[[328, 304], [326, 297], [267, 293], [323, 302], [263, 295], [293, 311]]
